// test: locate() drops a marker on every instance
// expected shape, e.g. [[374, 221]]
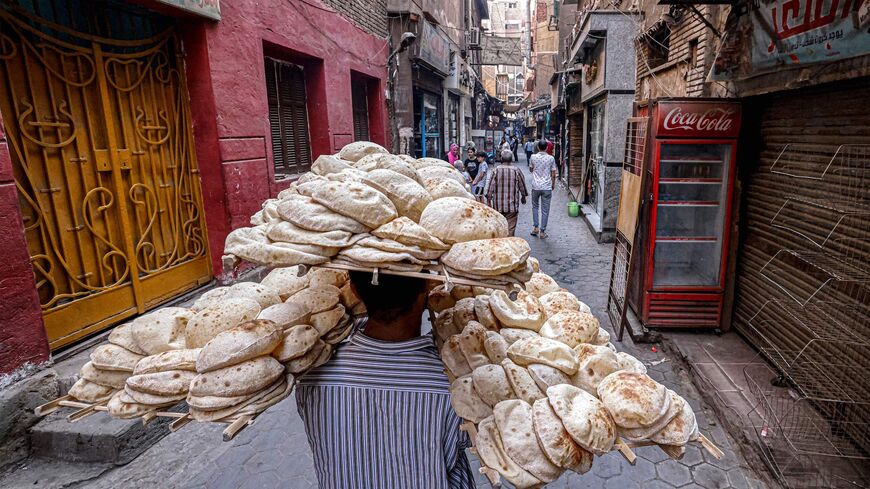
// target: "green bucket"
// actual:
[[573, 209]]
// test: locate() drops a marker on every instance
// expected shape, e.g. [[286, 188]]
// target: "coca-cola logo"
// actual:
[[716, 120]]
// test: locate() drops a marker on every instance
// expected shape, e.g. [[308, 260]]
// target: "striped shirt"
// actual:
[[506, 186], [378, 415]]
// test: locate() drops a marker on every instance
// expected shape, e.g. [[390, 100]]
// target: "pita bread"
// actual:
[[491, 384], [526, 312], [556, 302], [296, 341], [214, 403], [325, 355], [317, 299], [571, 328], [106, 378], [207, 323], [471, 344], [168, 360], [463, 312], [251, 244], [237, 380], [488, 257], [457, 220], [496, 347], [245, 341], [427, 161], [408, 232], [440, 299], [395, 265], [492, 453], [305, 213], [357, 150], [466, 402], [601, 338], [348, 297], [358, 201], [125, 410], [439, 189], [516, 426], [594, 363], [484, 314], [364, 254], [347, 175], [444, 327], [523, 273], [453, 358], [326, 164], [534, 264], [493, 280], [395, 247], [267, 214], [307, 361], [113, 357], [286, 281], [340, 332], [634, 400], [168, 383], [286, 232], [122, 335], [161, 330], [512, 335], [318, 277], [326, 320], [541, 284], [388, 162], [675, 407], [584, 418], [286, 314], [264, 295], [546, 376], [682, 428], [460, 292], [433, 174], [86, 391], [269, 400], [210, 297], [218, 414], [629, 363], [544, 351], [521, 382], [409, 197], [555, 442]]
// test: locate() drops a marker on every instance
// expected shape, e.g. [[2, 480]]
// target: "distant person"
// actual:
[[529, 147], [550, 146], [506, 190], [471, 157], [543, 168], [476, 173], [454, 158], [515, 144]]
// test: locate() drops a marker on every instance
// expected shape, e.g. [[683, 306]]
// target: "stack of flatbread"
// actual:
[[158, 381], [536, 365]]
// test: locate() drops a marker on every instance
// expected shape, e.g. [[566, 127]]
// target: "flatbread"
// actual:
[[309, 360], [264, 295], [516, 426], [237, 380], [409, 197], [546, 376], [492, 453], [541, 284], [544, 351], [340, 332], [286, 232], [466, 402], [534, 264], [454, 360], [457, 220], [122, 335], [602, 338], [556, 302], [634, 400], [571, 328], [296, 341], [363, 254], [392, 246], [488, 257], [355, 151], [440, 189], [682, 428], [113, 357], [214, 403], [361, 202], [408, 232], [106, 378], [319, 277], [86, 391], [433, 174], [491, 384], [168, 360], [317, 299], [396, 265], [219, 414], [325, 321], [594, 363], [555, 442], [251, 244], [460, 292], [521, 382], [161, 330], [119, 409], [484, 313], [675, 408], [387, 162], [512, 335], [440, 299], [243, 342], [584, 417], [168, 383], [463, 312], [428, 161], [525, 312], [496, 347], [305, 213], [286, 281], [630, 363], [207, 323], [471, 344], [286, 314], [270, 399], [443, 325], [326, 164]]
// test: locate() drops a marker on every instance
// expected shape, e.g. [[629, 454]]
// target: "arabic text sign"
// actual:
[[434, 49], [807, 31], [501, 51], [205, 8]]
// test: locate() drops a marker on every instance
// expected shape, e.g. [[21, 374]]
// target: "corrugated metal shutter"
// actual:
[[360, 111], [288, 117], [802, 278]]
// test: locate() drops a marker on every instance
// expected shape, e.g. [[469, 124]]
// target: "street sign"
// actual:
[[501, 51]]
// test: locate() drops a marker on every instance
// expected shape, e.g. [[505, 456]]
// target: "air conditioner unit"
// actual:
[[472, 38]]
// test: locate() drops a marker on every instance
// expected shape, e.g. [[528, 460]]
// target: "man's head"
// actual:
[[542, 145], [507, 156], [481, 156], [393, 296]]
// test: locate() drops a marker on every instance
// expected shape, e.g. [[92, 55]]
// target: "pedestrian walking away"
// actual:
[[515, 144], [529, 147], [543, 168], [506, 189], [384, 397]]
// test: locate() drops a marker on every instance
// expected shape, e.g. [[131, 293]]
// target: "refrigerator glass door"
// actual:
[[692, 191]]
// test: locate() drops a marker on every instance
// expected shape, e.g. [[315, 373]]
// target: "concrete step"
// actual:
[[95, 439]]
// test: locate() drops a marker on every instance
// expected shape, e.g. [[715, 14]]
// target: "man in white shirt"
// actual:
[[543, 168]]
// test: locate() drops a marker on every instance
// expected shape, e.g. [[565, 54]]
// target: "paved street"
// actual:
[[274, 451]]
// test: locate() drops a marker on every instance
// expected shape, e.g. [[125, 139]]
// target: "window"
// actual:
[[658, 43], [512, 27], [288, 118], [360, 112], [512, 5]]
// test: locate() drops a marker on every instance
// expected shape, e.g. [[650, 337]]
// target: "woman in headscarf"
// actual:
[[454, 158]]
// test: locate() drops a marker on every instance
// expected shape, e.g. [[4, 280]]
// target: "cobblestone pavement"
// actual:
[[274, 451]]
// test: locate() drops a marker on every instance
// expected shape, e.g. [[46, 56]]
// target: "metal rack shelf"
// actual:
[[816, 321], [808, 162], [839, 210], [830, 266]]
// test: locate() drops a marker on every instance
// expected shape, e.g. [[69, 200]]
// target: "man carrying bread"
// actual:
[[378, 414]]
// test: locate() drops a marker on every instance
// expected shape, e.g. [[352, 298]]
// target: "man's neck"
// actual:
[[392, 326]]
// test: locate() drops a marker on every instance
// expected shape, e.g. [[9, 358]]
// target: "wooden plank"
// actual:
[[625, 450], [236, 426], [711, 447], [51, 406], [180, 422]]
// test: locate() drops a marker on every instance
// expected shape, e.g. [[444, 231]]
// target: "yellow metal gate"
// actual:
[[100, 137]]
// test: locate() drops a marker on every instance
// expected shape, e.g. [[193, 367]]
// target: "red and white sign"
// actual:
[[698, 119]]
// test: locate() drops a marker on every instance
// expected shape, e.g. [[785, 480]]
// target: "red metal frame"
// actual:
[[684, 300]]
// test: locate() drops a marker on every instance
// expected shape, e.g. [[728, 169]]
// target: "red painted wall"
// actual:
[[328, 45], [22, 334]]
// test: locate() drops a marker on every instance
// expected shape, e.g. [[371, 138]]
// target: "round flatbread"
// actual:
[[427, 161], [243, 342], [434, 174], [207, 323], [525, 312], [466, 401], [543, 351], [317, 299], [320, 351], [114, 357], [471, 344], [488, 257], [457, 220], [516, 426], [556, 443], [556, 302], [484, 313], [161, 330], [546, 376], [392, 246], [237, 380], [168, 383], [106, 378], [491, 384], [286, 314], [408, 232], [86, 391], [463, 312], [440, 299], [326, 320], [319, 277], [126, 410], [251, 244], [453, 358], [395, 164], [286, 232], [439, 189], [409, 197], [521, 382], [602, 338], [630, 363], [492, 453], [571, 328], [594, 363], [296, 341], [681, 429], [675, 407], [168, 360], [327, 164], [541, 284], [305, 213], [286, 281], [512, 335], [122, 335], [357, 150], [496, 347], [361, 202], [634, 400], [584, 417]]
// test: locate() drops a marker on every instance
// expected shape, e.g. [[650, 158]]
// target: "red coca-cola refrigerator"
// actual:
[[684, 232]]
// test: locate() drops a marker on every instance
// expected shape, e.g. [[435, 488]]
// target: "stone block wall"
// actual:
[[370, 15]]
